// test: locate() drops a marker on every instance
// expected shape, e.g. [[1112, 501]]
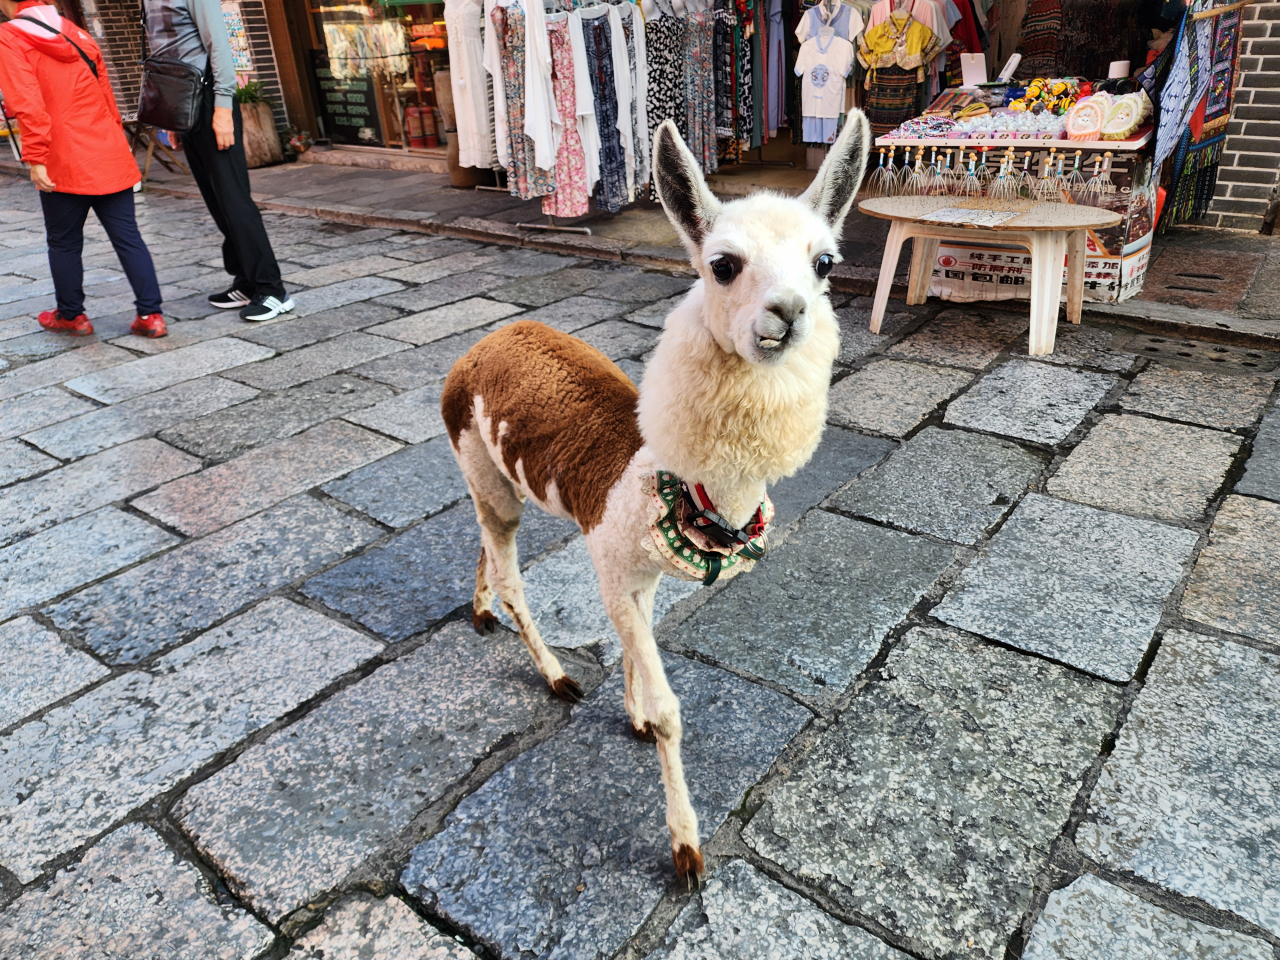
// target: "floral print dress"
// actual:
[[571, 198], [524, 178]]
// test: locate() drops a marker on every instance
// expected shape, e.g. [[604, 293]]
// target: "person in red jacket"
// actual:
[[53, 77]]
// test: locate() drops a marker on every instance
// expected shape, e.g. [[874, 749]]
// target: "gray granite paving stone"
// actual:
[[930, 805], [403, 586], [294, 815], [149, 374], [948, 483], [841, 456], [56, 560], [430, 325], [564, 851], [364, 928], [743, 915], [655, 314], [75, 363], [83, 766], [1030, 401], [339, 294], [1165, 470], [88, 484], [346, 270], [129, 898], [18, 462], [573, 313], [642, 287], [230, 432], [1187, 799], [1092, 918], [184, 333], [38, 669], [420, 366], [513, 262], [1236, 582], [815, 611], [961, 338], [413, 416], [856, 338], [634, 370], [108, 426], [617, 339], [440, 267], [892, 396], [159, 603], [437, 293], [33, 410], [38, 346], [262, 477], [303, 331], [405, 486], [317, 360], [1077, 584], [1082, 345], [541, 290], [1210, 399], [434, 247], [1262, 471]]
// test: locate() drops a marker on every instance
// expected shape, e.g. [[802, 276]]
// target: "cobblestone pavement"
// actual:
[[1006, 686]]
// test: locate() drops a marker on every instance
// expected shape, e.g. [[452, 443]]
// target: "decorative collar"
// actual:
[[693, 542]]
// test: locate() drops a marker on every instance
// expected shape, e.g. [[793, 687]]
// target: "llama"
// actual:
[[672, 478]]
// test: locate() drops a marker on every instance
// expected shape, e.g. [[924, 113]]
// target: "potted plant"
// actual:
[[261, 143], [294, 143]]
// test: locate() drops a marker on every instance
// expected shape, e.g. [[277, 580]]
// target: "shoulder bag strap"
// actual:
[[83, 56]]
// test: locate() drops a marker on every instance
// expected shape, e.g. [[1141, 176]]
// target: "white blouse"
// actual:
[[493, 64], [463, 19], [586, 103]]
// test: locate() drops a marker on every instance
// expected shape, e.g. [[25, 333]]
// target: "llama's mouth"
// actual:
[[774, 344]]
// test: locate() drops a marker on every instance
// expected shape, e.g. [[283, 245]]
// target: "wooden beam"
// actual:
[[292, 62], [1219, 11]]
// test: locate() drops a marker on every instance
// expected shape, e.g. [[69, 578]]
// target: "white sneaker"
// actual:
[[231, 299], [265, 308]]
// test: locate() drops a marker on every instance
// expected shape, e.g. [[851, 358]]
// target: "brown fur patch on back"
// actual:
[[570, 413]]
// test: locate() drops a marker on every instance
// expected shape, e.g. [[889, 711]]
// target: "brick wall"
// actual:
[[1250, 172]]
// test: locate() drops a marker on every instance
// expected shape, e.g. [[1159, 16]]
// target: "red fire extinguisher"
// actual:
[[429, 127], [413, 123]]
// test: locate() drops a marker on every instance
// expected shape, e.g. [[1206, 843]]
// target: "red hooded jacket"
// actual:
[[68, 119]]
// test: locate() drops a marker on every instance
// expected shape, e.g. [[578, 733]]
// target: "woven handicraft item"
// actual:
[[684, 551]]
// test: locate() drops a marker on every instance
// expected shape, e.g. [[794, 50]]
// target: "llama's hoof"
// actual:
[[688, 862], [484, 622], [644, 733], [566, 688]]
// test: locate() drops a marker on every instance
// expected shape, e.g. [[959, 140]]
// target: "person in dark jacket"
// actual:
[[55, 81]]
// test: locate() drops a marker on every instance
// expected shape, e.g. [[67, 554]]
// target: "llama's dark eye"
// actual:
[[724, 269], [823, 265]]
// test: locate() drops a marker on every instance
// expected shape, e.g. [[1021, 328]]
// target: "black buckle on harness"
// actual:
[[718, 528]]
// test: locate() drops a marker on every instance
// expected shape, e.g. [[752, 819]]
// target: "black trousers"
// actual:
[[223, 180], [64, 216]]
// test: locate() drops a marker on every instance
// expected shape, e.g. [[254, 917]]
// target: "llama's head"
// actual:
[[764, 259]]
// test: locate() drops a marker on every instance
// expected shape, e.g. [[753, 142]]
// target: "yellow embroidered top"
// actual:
[[901, 41]]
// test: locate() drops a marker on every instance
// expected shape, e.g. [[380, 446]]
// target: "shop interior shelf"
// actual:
[[1137, 142]]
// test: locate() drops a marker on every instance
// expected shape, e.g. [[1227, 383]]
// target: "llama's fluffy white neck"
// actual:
[[712, 417]]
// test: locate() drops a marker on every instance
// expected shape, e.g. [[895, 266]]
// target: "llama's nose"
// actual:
[[787, 307]]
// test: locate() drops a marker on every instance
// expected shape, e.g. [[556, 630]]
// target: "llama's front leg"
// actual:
[[634, 686]]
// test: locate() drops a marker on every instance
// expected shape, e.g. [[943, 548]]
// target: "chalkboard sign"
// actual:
[[349, 106]]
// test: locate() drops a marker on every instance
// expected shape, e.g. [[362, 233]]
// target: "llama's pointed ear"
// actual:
[[840, 175], [690, 206]]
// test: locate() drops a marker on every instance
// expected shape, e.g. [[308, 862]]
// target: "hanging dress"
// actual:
[[463, 20], [523, 176], [611, 191], [629, 14], [700, 90], [571, 196], [895, 53], [722, 53]]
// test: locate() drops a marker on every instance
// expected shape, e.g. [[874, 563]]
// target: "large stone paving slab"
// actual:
[[317, 360], [159, 603], [405, 585], [88, 484], [18, 462], [841, 456], [437, 293], [304, 331], [405, 486], [1165, 470], [1262, 472], [563, 852], [43, 566], [644, 287], [949, 483], [149, 374], [573, 313], [33, 410], [892, 396], [1210, 399], [813, 614], [365, 928], [1236, 583], [743, 915], [349, 270], [443, 266], [931, 804], [421, 366], [1092, 918], [129, 898], [961, 338], [230, 432], [83, 766], [342, 293], [294, 815], [233, 490], [1070, 582], [74, 363], [413, 416], [1187, 799], [1083, 345], [617, 339], [38, 669], [1030, 401], [431, 325], [542, 290], [655, 314], [108, 426]]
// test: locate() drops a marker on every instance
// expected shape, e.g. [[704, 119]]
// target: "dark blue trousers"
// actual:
[[64, 216]]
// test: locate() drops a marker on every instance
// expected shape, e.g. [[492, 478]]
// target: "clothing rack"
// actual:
[[1219, 11]]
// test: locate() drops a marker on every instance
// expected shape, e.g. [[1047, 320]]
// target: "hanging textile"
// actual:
[[700, 90], [638, 68], [611, 191], [1041, 39], [524, 177], [825, 60], [1186, 86], [722, 57], [570, 198], [774, 39], [746, 87], [463, 20], [891, 98]]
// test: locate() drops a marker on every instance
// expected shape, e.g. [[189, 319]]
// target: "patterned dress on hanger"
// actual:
[[665, 40], [638, 137], [571, 197], [523, 176], [722, 51], [611, 191], [746, 82], [700, 91]]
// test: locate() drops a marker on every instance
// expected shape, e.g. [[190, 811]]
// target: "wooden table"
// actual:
[[139, 134], [1048, 231]]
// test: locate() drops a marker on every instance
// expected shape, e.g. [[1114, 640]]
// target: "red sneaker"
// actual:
[[53, 320], [152, 325]]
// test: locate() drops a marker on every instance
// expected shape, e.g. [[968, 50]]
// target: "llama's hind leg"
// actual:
[[482, 617]]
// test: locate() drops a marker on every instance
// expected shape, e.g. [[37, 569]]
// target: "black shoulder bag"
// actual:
[[171, 93]]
